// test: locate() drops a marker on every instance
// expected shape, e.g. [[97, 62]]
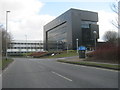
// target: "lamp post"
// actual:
[[77, 44], [26, 44], [69, 44], [67, 49], [57, 46], [95, 33], [6, 32], [61, 45]]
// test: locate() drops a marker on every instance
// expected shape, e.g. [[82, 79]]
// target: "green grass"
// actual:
[[0, 64], [110, 66], [5, 63], [63, 54]]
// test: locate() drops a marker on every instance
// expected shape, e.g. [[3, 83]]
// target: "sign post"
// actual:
[[82, 50]]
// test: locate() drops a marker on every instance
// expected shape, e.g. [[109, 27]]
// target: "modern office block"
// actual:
[[17, 47], [62, 32]]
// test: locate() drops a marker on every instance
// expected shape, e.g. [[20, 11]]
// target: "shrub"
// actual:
[[107, 51], [38, 54]]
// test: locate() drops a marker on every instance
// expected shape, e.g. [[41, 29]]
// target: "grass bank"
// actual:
[[5, 63], [108, 66], [70, 53]]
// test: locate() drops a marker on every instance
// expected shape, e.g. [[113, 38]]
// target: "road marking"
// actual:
[[62, 76], [89, 67]]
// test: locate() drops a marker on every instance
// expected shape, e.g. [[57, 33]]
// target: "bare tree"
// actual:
[[0, 45], [119, 20], [110, 36], [116, 8], [6, 38]]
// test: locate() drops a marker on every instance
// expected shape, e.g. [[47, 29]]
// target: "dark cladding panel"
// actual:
[[81, 20], [90, 16], [94, 28], [86, 36]]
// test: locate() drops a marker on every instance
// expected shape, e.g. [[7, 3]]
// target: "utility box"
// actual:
[[82, 50]]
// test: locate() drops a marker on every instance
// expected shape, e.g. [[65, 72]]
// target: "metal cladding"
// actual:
[[62, 32]]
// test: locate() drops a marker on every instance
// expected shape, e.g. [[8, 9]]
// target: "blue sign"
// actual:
[[82, 48]]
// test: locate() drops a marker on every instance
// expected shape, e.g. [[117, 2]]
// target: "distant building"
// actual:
[[62, 32], [17, 47]]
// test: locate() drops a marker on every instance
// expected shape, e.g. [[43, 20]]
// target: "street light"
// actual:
[[57, 46], [77, 44], [60, 45], [69, 44], [6, 32], [26, 42], [95, 33]]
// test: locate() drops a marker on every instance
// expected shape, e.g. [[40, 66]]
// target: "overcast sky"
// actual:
[[27, 17]]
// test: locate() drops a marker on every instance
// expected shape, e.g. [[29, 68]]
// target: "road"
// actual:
[[0, 82], [47, 73]]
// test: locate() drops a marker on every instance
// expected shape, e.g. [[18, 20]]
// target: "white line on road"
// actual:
[[62, 76]]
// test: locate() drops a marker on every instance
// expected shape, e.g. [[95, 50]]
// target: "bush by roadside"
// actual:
[[105, 53], [62, 54], [54, 54], [40, 54]]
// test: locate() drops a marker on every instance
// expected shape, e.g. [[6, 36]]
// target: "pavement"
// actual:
[[0, 79], [48, 73], [77, 59]]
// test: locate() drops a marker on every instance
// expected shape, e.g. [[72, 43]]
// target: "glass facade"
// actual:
[[86, 24], [57, 37], [57, 34], [86, 32]]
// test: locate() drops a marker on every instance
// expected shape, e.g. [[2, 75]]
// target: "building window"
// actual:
[[85, 26], [86, 23]]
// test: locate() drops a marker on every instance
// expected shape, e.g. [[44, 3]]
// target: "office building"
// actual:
[[17, 47], [63, 32]]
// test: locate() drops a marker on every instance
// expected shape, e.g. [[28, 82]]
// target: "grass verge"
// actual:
[[63, 54], [108, 66], [5, 63]]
